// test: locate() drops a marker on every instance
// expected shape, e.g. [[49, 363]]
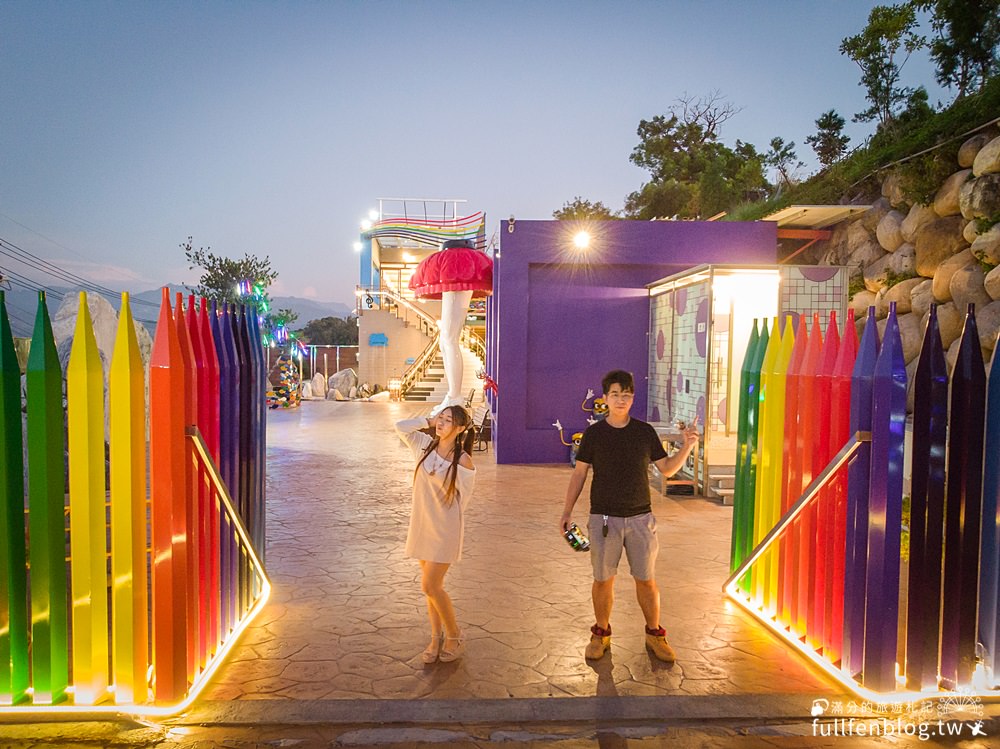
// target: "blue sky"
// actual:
[[272, 127]]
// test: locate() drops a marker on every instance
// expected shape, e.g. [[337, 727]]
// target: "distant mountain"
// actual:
[[22, 305], [310, 309]]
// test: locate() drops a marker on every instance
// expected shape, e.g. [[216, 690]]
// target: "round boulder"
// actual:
[[921, 296], [980, 197], [937, 241], [892, 265], [889, 230], [946, 200], [988, 159], [970, 231], [917, 217], [986, 247], [902, 295], [870, 218], [988, 325], [950, 322], [911, 376], [892, 190], [944, 272], [967, 286], [860, 303], [968, 150], [992, 283]]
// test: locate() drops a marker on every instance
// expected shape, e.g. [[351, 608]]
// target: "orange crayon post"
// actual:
[[168, 454], [127, 407]]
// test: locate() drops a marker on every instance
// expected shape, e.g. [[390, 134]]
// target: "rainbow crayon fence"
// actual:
[[820, 550], [118, 594]]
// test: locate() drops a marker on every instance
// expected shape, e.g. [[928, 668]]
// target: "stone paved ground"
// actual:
[[347, 621], [333, 659]]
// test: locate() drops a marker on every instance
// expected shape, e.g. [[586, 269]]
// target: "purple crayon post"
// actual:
[[885, 510]]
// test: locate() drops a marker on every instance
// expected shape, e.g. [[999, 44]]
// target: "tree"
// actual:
[[332, 331], [829, 142], [693, 174], [222, 275], [876, 50], [783, 158], [964, 49], [580, 209]]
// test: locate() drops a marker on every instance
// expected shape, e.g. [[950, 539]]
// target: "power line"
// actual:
[[33, 261]]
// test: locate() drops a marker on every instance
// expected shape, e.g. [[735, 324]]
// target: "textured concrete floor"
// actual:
[[347, 619]]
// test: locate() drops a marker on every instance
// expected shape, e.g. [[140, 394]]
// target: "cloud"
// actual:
[[104, 274]]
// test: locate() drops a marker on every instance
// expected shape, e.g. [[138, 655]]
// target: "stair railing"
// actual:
[[415, 371], [369, 297]]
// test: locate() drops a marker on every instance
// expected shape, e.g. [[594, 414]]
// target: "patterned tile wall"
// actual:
[[806, 289], [677, 356]]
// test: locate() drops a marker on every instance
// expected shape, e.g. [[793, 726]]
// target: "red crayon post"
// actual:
[[168, 452]]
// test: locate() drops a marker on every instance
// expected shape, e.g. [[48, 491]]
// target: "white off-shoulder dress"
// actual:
[[437, 528]]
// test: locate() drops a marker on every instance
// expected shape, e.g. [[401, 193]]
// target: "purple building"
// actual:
[[562, 315]]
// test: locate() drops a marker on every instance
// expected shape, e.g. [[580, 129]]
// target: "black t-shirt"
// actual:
[[620, 458]]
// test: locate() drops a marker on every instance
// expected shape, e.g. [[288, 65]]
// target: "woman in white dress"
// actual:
[[442, 486]]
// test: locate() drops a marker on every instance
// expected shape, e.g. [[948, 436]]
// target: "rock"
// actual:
[[889, 230], [970, 231], [881, 304], [911, 332], [992, 283], [911, 376], [343, 381], [319, 386], [950, 322], [946, 200], [891, 266], [892, 189], [860, 303], [986, 247], [917, 217], [382, 396], [968, 150], [988, 324], [951, 356], [987, 161], [307, 390], [922, 296], [902, 295], [858, 237], [871, 218], [967, 286], [936, 241], [980, 197], [942, 276]]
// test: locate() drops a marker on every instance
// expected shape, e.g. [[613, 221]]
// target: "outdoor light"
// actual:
[[373, 214], [357, 246], [366, 225], [408, 258], [581, 240]]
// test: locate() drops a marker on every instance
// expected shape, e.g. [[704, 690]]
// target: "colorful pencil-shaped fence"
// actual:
[[839, 533], [204, 532]]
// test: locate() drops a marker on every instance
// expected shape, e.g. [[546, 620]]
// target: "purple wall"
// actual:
[[560, 318]]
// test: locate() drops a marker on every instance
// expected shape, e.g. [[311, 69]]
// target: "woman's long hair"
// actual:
[[463, 442]]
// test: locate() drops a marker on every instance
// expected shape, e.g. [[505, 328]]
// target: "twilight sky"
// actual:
[[273, 127]]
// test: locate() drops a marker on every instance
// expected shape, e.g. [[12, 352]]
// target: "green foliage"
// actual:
[[579, 209], [889, 36], [854, 177], [923, 175], [222, 275], [783, 158], [829, 142], [693, 174], [890, 277], [331, 331], [964, 49], [985, 223], [856, 284]]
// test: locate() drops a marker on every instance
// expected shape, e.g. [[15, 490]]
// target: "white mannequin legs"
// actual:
[[454, 308]]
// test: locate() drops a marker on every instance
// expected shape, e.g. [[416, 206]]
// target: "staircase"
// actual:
[[432, 386], [720, 484]]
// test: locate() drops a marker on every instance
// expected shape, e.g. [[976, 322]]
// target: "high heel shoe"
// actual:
[[431, 652], [447, 655]]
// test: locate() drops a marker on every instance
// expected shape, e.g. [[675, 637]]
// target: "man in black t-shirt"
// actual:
[[620, 449]]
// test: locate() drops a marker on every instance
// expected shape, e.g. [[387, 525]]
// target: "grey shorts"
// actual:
[[636, 534]]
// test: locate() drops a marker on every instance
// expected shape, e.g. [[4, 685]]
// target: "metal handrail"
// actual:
[[846, 453], [394, 297], [416, 370]]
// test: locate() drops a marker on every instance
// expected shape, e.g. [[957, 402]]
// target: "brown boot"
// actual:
[[600, 642], [656, 642]]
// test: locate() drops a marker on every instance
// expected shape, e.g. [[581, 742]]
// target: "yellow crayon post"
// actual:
[[126, 406], [776, 440], [88, 544], [765, 459]]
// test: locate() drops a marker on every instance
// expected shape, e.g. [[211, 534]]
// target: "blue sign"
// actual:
[[378, 339]]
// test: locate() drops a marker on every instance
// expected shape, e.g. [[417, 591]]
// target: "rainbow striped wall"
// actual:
[[94, 539], [818, 543]]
